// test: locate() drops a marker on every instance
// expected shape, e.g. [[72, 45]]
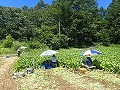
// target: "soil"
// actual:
[[6, 81], [9, 83], [60, 83]]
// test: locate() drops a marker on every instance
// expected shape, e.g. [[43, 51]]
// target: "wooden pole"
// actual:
[[59, 29]]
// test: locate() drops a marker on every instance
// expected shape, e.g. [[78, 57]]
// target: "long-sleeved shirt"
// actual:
[[88, 61]]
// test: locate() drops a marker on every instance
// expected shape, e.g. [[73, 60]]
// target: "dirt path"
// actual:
[[63, 79], [68, 80], [60, 83], [6, 81]]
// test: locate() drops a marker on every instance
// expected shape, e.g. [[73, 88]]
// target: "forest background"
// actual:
[[63, 24]]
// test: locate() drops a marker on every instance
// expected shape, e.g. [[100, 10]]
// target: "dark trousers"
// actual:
[[18, 53]]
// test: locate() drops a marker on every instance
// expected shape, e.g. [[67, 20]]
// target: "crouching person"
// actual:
[[54, 61], [88, 62]]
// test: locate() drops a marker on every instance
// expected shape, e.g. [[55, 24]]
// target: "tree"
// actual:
[[40, 5], [80, 23], [113, 17], [82, 29], [24, 8]]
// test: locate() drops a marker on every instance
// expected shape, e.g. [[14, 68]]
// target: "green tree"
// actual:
[[24, 8], [64, 23], [40, 5], [8, 42], [60, 41], [82, 29], [113, 18]]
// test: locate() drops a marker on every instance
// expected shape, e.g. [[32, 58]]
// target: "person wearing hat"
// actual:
[[18, 52], [54, 61], [88, 62]]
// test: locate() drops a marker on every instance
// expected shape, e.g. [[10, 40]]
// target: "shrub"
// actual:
[[8, 42], [17, 44], [37, 45], [60, 41]]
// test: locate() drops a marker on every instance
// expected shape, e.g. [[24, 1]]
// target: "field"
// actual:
[[70, 58], [67, 76]]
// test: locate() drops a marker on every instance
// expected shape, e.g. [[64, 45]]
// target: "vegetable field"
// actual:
[[70, 58]]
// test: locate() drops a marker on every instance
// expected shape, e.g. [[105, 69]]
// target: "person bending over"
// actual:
[[88, 62]]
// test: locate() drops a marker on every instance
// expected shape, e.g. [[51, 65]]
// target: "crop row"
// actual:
[[70, 58]]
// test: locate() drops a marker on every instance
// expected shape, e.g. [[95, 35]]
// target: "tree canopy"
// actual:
[[64, 23]]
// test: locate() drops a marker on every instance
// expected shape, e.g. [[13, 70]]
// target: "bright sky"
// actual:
[[32, 3], [104, 3]]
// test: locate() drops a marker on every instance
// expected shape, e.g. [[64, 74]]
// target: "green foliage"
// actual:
[[8, 42], [70, 58], [29, 59], [40, 5], [37, 45], [110, 59], [60, 41], [55, 43], [17, 44], [63, 41], [104, 38], [14, 47], [5, 51], [97, 63], [113, 18], [80, 21]]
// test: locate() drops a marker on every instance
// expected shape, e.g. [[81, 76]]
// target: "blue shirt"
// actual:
[[88, 61]]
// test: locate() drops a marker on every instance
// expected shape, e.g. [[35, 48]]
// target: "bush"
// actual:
[[37, 45], [6, 51], [60, 41], [17, 44], [8, 42], [97, 64], [30, 59]]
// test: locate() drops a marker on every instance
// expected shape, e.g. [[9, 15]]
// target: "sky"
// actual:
[[104, 3], [32, 3]]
